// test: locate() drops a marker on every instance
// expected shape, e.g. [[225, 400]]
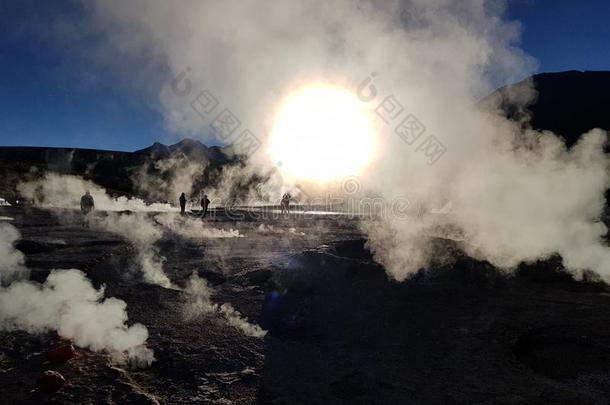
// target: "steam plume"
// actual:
[[67, 303], [139, 229], [194, 228], [173, 176], [199, 301], [65, 191], [12, 262], [516, 196]]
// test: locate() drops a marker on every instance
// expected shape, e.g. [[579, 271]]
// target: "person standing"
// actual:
[[285, 204], [86, 205], [205, 203], [182, 204]]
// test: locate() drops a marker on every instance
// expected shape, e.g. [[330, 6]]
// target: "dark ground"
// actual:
[[340, 332]]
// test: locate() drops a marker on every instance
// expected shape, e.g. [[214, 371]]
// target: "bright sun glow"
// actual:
[[322, 133]]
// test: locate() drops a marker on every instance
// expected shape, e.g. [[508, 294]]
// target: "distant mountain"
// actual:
[[155, 151], [567, 103], [190, 148], [113, 170]]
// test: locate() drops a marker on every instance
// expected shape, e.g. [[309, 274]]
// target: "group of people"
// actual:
[[87, 205], [205, 204]]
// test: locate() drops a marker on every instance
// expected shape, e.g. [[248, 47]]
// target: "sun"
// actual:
[[322, 133]]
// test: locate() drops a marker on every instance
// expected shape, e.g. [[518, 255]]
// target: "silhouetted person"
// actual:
[[205, 203], [38, 196], [182, 203], [285, 204], [86, 205]]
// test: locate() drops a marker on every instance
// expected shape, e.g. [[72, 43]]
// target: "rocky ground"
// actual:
[[339, 331]]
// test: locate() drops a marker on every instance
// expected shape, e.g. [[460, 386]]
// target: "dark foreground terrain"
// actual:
[[339, 331]]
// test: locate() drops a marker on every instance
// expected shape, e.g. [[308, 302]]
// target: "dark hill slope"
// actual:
[[112, 170], [567, 103]]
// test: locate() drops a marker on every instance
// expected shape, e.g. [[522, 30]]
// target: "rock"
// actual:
[[348, 387], [31, 246], [50, 382], [258, 276], [61, 354], [213, 277]]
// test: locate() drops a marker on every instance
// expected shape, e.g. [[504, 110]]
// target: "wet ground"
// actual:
[[339, 331]]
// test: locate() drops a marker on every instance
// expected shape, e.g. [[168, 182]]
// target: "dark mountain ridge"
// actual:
[[567, 103], [112, 170], [190, 148]]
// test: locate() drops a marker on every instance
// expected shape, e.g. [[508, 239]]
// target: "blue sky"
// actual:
[[565, 35], [53, 96]]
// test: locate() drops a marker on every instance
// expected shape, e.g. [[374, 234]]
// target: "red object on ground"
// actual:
[[61, 354], [50, 382]]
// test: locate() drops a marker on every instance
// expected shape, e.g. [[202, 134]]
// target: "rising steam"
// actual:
[[65, 191], [12, 262], [194, 228], [172, 176], [68, 304], [515, 196], [199, 301], [139, 229]]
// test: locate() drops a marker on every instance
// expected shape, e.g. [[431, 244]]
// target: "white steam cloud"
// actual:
[[199, 301], [515, 196], [139, 229], [194, 228], [174, 175], [68, 303], [65, 191], [12, 262]]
